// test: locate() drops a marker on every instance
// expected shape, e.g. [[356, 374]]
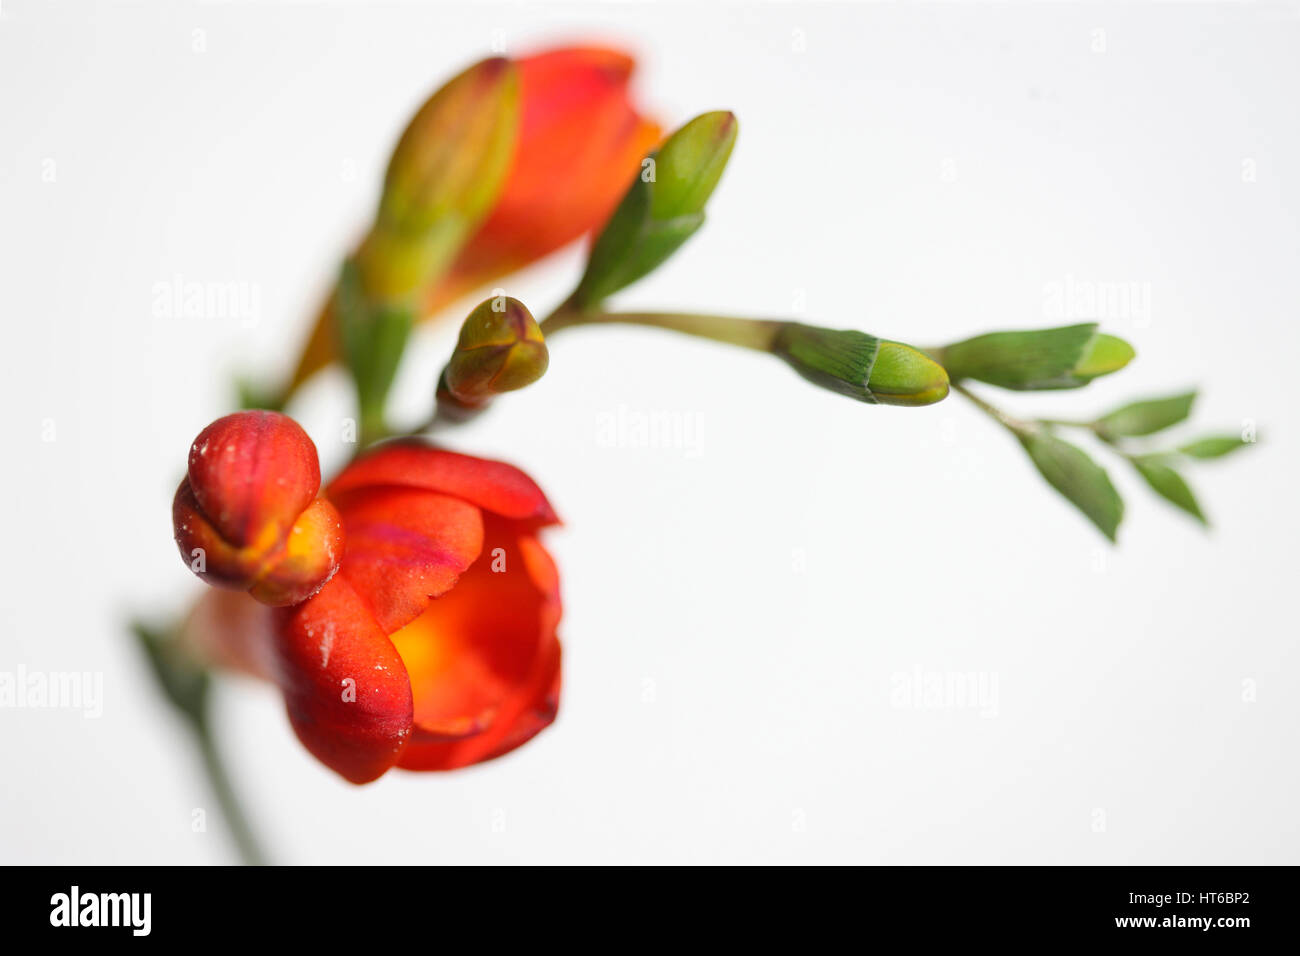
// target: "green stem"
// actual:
[[373, 428], [1067, 423], [184, 680], [250, 850], [1015, 425], [756, 334]]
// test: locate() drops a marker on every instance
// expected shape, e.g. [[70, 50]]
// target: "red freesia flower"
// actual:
[[434, 644], [580, 142]]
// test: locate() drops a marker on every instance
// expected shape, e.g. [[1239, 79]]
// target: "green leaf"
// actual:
[[1214, 446], [1146, 417], [1065, 357], [1169, 484], [1082, 481], [662, 208]]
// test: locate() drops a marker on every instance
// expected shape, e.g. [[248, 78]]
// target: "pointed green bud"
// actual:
[[1146, 417], [454, 155], [861, 366], [662, 208], [501, 349], [1105, 354], [903, 375], [686, 169], [445, 173], [1066, 357]]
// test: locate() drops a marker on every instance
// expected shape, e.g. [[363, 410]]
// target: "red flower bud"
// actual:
[[580, 141], [246, 516]]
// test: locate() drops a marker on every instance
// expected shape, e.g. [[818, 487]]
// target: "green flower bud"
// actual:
[[446, 172], [689, 164], [1066, 357], [454, 155], [903, 375], [501, 349], [1105, 354], [662, 208], [861, 366]]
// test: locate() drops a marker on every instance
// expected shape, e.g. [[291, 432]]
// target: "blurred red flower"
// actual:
[[580, 142]]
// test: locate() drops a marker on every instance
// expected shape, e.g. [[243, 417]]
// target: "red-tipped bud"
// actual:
[[246, 515]]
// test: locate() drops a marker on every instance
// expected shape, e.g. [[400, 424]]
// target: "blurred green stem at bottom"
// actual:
[[186, 684]]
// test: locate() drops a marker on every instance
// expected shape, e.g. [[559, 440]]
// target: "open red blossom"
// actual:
[[435, 645]]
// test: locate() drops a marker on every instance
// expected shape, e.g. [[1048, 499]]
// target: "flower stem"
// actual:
[[844, 361], [757, 334], [1067, 423], [1015, 425], [185, 681], [250, 850]]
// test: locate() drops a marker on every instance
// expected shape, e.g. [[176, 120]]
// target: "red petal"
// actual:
[[405, 547], [345, 686], [492, 485], [231, 631], [484, 659]]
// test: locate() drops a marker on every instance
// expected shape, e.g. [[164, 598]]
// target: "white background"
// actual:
[[742, 605]]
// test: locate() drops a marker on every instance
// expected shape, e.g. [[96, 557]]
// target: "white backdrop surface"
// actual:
[[747, 603]]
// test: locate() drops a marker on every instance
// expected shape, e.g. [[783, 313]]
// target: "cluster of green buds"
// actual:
[[662, 208], [434, 194]]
